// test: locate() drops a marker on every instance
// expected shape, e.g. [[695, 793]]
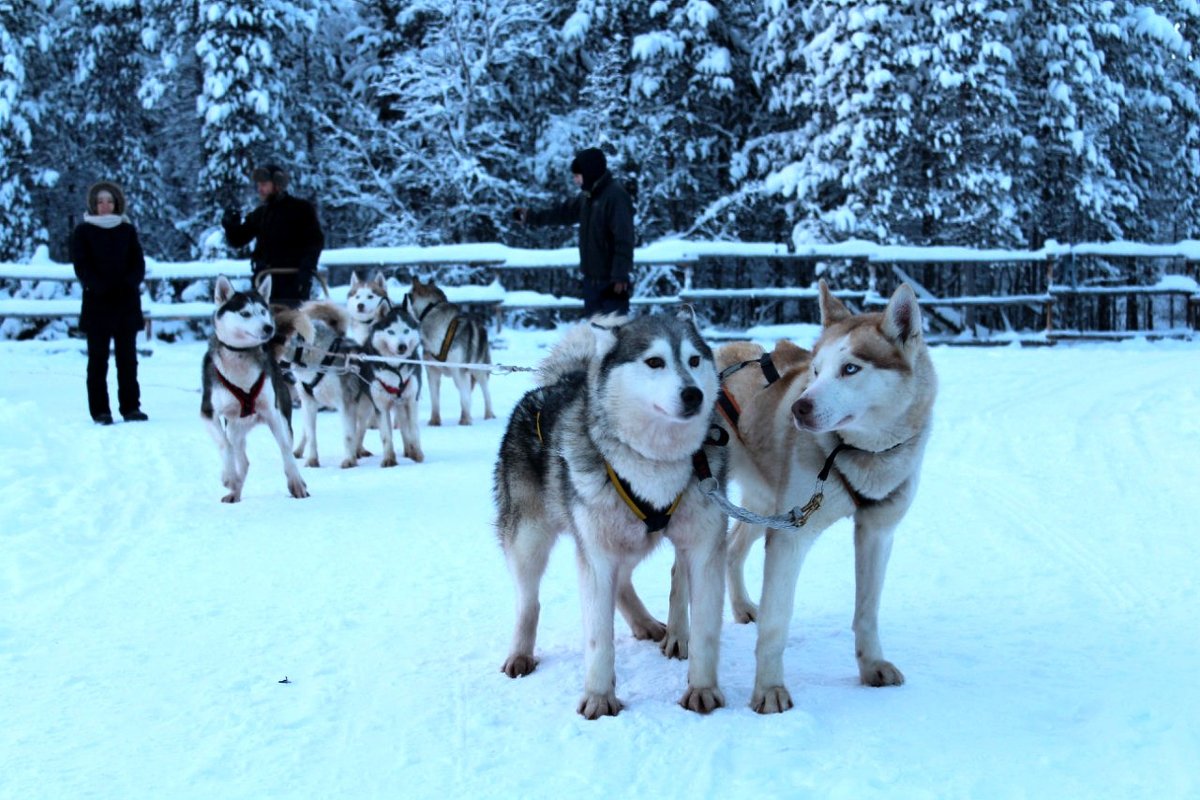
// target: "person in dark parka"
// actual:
[[110, 265], [604, 212], [287, 237]]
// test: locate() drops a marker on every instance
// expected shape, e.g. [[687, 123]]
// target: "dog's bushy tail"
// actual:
[[331, 314], [574, 352]]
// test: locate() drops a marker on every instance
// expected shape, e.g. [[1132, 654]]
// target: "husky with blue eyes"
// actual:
[[610, 448], [836, 432], [242, 387]]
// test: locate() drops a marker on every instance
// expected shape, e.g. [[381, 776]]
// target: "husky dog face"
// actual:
[[243, 319], [862, 372], [396, 334], [657, 380], [365, 297]]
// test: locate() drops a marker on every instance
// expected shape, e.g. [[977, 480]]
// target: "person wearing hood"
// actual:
[[287, 237], [110, 265], [604, 213]]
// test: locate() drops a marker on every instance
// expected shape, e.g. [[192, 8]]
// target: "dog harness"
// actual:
[[331, 355], [444, 353], [726, 404], [247, 399]]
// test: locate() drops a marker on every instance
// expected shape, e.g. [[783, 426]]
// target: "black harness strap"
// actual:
[[330, 357], [655, 518], [726, 404]]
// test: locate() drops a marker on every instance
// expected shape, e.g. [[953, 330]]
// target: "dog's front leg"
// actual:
[[296, 486], [784, 553], [743, 537], [872, 549], [237, 462], [435, 394], [598, 575], [675, 643], [310, 406], [384, 418], [228, 467], [410, 432], [705, 565], [462, 381], [350, 415]]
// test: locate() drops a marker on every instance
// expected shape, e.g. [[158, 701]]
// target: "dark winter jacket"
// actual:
[[605, 217], [287, 235], [110, 265]]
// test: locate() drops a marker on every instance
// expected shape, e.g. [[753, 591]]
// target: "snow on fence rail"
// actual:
[[1059, 291]]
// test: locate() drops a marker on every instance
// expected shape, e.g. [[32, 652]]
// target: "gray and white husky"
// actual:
[[449, 335], [856, 410], [241, 385], [394, 386], [317, 354], [609, 449]]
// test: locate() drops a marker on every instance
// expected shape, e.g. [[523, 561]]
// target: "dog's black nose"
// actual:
[[402, 349], [691, 398], [268, 330], [802, 408]]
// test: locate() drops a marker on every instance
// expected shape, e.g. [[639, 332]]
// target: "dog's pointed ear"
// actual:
[[832, 309], [380, 282], [355, 281], [902, 317], [223, 291], [264, 289], [382, 310]]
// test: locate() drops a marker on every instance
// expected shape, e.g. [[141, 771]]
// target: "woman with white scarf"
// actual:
[[109, 263]]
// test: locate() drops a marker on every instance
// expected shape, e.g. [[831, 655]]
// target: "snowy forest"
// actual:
[[990, 123]]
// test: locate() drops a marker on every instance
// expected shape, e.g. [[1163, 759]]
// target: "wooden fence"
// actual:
[[969, 296]]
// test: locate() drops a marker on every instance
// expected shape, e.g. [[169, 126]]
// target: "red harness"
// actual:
[[396, 390], [247, 399]]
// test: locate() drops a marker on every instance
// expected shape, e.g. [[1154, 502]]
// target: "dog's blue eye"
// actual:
[[850, 369], [654, 362]]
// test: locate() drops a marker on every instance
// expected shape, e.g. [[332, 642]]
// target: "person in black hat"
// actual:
[[287, 237], [604, 212], [109, 263]]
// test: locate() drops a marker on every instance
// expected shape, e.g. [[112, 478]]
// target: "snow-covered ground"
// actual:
[[1042, 602]]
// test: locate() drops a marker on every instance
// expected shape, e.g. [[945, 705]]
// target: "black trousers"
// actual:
[[125, 349], [599, 298]]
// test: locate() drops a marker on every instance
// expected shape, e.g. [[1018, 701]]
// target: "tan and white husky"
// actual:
[[850, 420]]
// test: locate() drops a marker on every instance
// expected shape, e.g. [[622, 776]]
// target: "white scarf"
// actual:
[[106, 220]]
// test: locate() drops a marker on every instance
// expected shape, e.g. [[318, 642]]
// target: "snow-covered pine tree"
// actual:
[[464, 89], [240, 97], [1157, 152], [19, 114], [1071, 105], [839, 87], [956, 172]]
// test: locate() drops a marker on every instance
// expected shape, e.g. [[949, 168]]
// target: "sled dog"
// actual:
[[609, 448], [394, 387], [450, 336], [317, 356], [855, 411], [240, 385], [366, 302]]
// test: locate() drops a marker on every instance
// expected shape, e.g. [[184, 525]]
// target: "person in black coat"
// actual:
[[604, 213], [110, 265], [287, 237]]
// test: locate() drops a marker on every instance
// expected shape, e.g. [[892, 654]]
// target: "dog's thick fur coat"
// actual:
[[868, 386], [633, 401], [237, 360]]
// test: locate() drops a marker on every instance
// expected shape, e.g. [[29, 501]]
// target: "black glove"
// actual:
[[231, 218]]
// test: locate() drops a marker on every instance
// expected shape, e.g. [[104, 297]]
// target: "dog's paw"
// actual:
[[674, 646], [364, 453], [595, 706], [465, 419], [745, 612], [648, 628], [312, 461], [298, 452], [298, 489], [388, 461], [772, 700], [232, 497], [519, 665], [702, 700], [349, 463], [435, 422], [415, 454], [880, 673]]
